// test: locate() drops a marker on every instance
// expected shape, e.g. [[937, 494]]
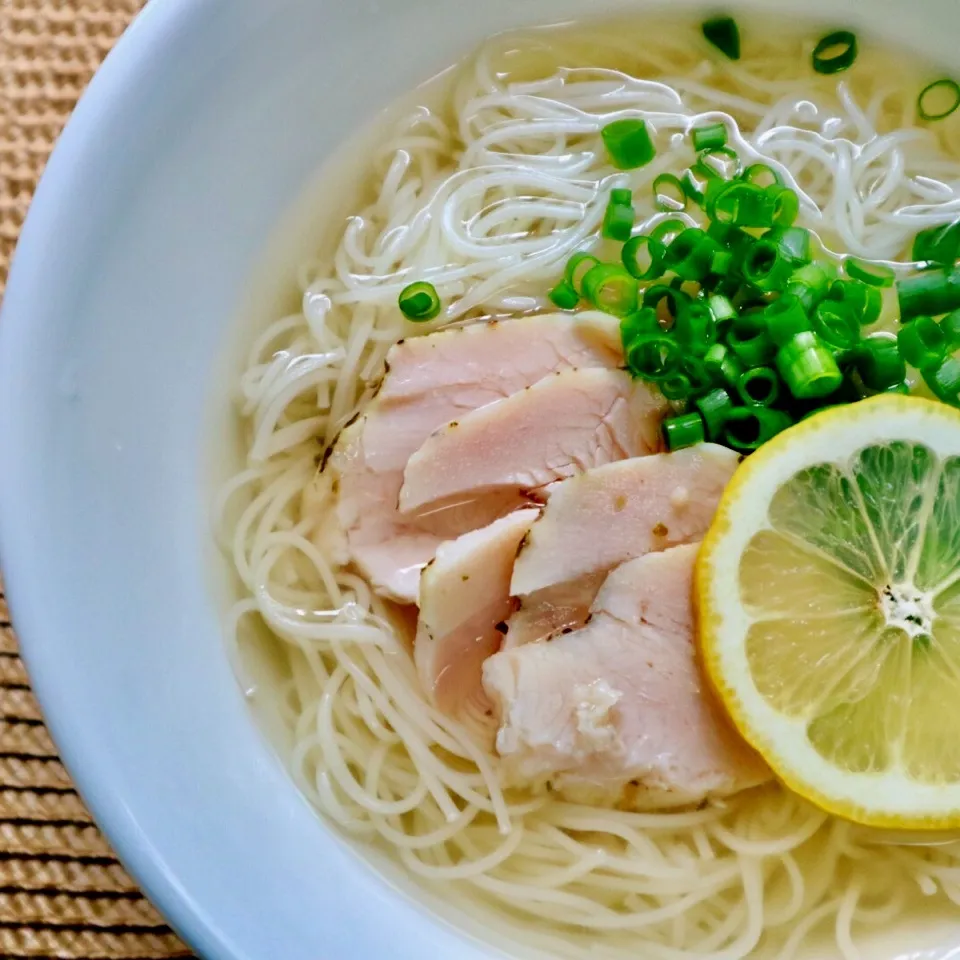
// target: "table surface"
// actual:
[[62, 892]]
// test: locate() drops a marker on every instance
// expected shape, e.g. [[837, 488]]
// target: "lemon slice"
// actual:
[[828, 590]]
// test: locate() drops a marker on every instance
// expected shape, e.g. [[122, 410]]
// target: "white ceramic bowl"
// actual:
[[195, 137]]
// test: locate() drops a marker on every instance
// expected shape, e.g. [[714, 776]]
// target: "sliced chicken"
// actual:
[[431, 380], [612, 514], [618, 711], [553, 610], [568, 422], [482, 362], [389, 549], [464, 599]]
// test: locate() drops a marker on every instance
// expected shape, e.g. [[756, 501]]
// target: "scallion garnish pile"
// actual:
[[739, 323]]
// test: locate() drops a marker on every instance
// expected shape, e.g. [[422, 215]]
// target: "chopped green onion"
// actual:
[[721, 263], [950, 325], [749, 428], [718, 162], [752, 349], [669, 193], [750, 319], [878, 361], [836, 324], [621, 195], [710, 137], [759, 385], [722, 364], [944, 380], [864, 301], [786, 318], [835, 52], [693, 187], [765, 267], [695, 327], [654, 356], [419, 302], [690, 255], [683, 431], [922, 343], [809, 284], [724, 34], [808, 367], [721, 308], [564, 296], [641, 323], [931, 104], [628, 143], [723, 232], [794, 243], [848, 391], [676, 387], [762, 175], [938, 245], [673, 299], [631, 252], [786, 205], [577, 268], [610, 288], [697, 372], [667, 230], [739, 204], [714, 408], [874, 274], [618, 221], [932, 292]]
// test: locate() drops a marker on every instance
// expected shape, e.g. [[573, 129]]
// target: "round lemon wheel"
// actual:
[[828, 593]]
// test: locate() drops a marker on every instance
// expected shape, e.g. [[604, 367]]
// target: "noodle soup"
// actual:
[[484, 195]]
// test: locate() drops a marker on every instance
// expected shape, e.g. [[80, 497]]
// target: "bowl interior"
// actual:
[[134, 269]]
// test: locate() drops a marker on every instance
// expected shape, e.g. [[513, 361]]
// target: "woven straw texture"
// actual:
[[62, 892]]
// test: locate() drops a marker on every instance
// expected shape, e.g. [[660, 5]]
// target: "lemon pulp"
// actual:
[[855, 601]]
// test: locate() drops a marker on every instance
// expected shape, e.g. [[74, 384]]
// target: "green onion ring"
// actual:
[[764, 378], [762, 171], [570, 271], [654, 356], [655, 251], [564, 296], [748, 428], [683, 431], [724, 34], [662, 200], [945, 84], [842, 59], [611, 289], [874, 274], [668, 229], [676, 386], [702, 165], [419, 302]]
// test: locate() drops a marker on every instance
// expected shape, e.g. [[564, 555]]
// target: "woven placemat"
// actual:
[[62, 892]]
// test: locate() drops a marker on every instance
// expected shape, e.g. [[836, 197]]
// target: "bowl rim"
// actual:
[[152, 36]]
